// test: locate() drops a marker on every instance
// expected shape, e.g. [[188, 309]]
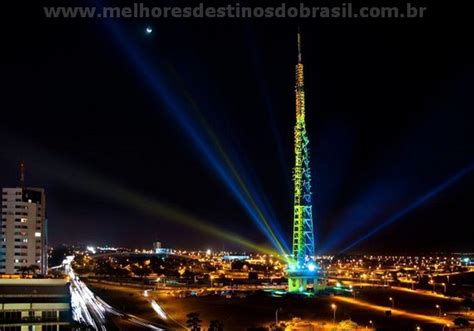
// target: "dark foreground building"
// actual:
[[34, 304], [23, 235]]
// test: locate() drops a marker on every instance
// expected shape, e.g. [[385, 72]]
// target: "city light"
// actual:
[[91, 249]]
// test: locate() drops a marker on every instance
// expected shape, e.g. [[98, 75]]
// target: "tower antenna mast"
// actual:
[[299, 45], [22, 174]]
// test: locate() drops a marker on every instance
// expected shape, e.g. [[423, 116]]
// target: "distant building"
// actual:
[[35, 304], [159, 249], [235, 257], [23, 229], [156, 245]]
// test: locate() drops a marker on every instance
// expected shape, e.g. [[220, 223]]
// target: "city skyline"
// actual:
[[390, 120]]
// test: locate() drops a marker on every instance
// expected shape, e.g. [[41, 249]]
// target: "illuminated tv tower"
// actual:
[[302, 268]]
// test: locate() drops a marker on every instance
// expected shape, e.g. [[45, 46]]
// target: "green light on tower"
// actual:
[[302, 268]]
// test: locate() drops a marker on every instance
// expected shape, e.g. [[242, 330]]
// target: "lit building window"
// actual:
[[37, 234]]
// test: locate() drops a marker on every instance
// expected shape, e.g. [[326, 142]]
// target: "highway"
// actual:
[[90, 310]]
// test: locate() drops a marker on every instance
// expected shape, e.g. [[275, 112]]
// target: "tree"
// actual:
[[461, 321], [215, 325], [58, 254], [468, 303], [103, 268], [140, 270], [120, 272], [347, 325], [193, 322], [424, 282], [396, 281], [56, 273], [23, 270], [34, 269]]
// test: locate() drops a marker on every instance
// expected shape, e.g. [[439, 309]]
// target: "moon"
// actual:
[[148, 30]]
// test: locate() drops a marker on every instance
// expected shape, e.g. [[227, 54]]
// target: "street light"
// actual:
[[276, 316], [418, 328], [352, 290], [446, 325], [393, 302], [371, 324], [334, 308], [433, 283], [444, 286], [439, 310]]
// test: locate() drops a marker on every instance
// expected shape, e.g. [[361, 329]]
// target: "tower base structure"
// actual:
[[299, 283], [302, 280]]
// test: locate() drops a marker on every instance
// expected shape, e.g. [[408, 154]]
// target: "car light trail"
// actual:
[[398, 312], [86, 308], [426, 293], [158, 310], [91, 310]]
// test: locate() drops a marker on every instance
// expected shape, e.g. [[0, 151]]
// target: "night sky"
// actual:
[[389, 114]]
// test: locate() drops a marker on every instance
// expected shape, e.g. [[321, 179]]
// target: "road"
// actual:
[[237, 313], [89, 309]]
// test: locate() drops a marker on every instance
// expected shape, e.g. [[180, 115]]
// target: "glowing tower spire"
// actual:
[[302, 267]]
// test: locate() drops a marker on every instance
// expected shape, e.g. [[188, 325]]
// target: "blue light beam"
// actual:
[[176, 107], [428, 196]]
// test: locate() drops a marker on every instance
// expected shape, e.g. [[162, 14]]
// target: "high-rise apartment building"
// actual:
[[23, 229]]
